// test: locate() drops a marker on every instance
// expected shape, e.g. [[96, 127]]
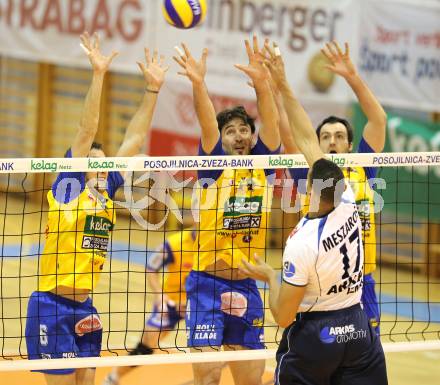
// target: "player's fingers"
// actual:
[[330, 50], [155, 55], [248, 47], [255, 43], [242, 68], [347, 49], [85, 49], [162, 60], [186, 50], [326, 54], [204, 55], [179, 61], [338, 49], [147, 55], [113, 55], [141, 66], [96, 44]]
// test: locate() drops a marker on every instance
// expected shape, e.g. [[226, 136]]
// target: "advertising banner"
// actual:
[[48, 30], [399, 53]]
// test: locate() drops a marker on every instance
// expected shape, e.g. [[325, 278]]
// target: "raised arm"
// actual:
[[88, 124], [267, 110], [300, 125], [287, 140], [341, 64], [154, 74], [195, 71]]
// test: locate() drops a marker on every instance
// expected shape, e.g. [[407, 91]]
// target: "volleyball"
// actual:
[[184, 14]]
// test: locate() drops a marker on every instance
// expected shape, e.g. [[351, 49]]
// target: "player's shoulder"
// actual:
[[303, 237]]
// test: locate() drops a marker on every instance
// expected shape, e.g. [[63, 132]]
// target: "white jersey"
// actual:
[[326, 255]]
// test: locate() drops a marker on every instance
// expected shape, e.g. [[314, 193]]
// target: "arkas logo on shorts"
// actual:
[[341, 334], [91, 323]]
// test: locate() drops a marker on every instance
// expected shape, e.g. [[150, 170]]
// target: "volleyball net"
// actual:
[[163, 199]]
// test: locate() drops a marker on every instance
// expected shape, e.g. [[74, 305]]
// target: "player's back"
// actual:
[[326, 254]]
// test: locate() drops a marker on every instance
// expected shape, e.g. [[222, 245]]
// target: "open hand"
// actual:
[[154, 70], [194, 70], [256, 69], [99, 62], [340, 62], [274, 62]]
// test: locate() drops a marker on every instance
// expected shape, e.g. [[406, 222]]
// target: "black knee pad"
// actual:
[[140, 350]]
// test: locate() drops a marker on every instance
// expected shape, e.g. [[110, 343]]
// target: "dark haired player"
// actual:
[[335, 135], [225, 308], [61, 319], [328, 338]]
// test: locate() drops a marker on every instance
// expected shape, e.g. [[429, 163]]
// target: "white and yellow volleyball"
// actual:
[[184, 13]]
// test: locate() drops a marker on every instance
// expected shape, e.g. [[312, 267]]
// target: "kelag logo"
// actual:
[[44, 165]]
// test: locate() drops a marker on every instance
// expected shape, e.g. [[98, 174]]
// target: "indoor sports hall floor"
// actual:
[[404, 310]]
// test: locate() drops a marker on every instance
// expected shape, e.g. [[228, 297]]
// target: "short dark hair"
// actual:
[[239, 112], [324, 169], [95, 145], [334, 119]]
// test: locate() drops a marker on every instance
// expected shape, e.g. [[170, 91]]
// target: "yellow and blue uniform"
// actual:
[[174, 260], [359, 179], [77, 238], [233, 220]]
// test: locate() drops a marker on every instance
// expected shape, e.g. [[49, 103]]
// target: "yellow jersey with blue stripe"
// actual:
[[77, 233], [234, 212], [175, 260], [358, 177]]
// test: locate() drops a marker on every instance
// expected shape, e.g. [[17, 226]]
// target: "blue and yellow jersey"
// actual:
[[358, 177], [234, 212], [175, 261], [78, 232]]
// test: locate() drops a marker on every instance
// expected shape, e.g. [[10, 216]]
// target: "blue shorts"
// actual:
[[164, 320], [370, 304], [331, 347], [223, 312], [57, 327]]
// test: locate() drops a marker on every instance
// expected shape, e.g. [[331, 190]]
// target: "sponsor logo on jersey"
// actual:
[[341, 334], [97, 226], [91, 323], [242, 212], [288, 269]]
